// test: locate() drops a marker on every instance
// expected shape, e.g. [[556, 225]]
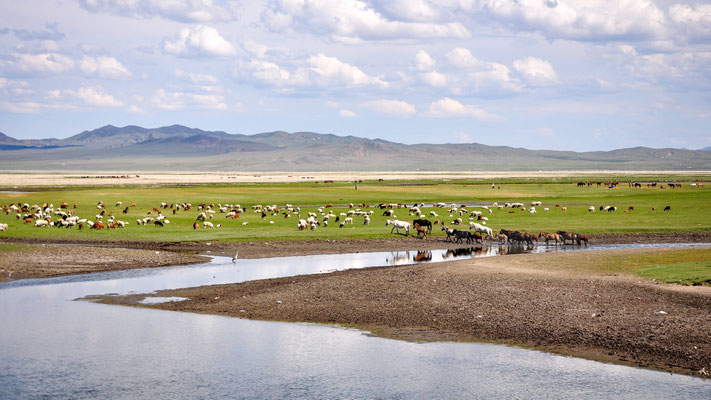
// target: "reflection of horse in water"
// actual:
[[398, 257], [423, 256], [462, 252]]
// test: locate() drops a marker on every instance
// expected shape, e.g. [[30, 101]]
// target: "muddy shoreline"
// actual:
[[539, 301], [285, 248]]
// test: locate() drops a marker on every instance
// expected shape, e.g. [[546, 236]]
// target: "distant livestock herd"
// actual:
[[64, 216]]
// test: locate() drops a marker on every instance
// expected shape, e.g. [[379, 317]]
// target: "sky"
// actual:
[[578, 75]]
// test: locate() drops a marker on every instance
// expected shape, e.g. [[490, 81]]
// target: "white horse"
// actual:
[[397, 225], [481, 228]]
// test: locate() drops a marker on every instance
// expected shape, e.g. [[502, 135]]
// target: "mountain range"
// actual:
[[179, 148]]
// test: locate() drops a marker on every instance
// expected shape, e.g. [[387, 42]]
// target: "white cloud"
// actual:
[[448, 108], [22, 107], [197, 78], [463, 58], [181, 100], [349, 20], [536, 71], [199, 41], [463, 73], [41, 63], [104, 67], [574, 19], [423, 61], [391, 107], [319, 71], [434, 78], [694, 21], [136, 109], [178, 10], [332, 71], [94, 96], [347, 113], [409, 10]]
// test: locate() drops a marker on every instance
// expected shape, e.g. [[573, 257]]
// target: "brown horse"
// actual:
[[421, 231], [556, 238]]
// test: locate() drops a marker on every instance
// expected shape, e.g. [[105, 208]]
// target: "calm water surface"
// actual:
[[54, 347]]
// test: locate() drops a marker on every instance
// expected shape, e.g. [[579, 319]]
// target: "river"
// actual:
[[52, 346]]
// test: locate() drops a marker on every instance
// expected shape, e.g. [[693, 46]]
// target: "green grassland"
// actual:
[[690, 209]]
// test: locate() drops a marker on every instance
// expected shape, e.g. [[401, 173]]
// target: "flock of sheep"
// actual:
[[64, 216]]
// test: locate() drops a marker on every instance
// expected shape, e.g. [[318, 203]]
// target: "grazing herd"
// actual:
[[65, 216]]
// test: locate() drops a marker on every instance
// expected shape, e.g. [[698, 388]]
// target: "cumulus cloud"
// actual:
[[347, 113], [694, 21], [199, 41], [536, 71], [449, 108], [351, 20], [104, 67], [95, 96], [424, 62], [687, 68], [573, 19], [391, 107], [332, 71], [177, 10], [463, 73], [320, 71], [174, 101], [39, 63], [21, 107]]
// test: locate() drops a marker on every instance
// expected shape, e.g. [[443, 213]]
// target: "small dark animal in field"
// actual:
[[158, 223], [195, 225], [667, 208], [630, 208], [125, 210], [98, 225]]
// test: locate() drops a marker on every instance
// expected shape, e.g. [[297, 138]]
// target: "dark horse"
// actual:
[[423, 223]]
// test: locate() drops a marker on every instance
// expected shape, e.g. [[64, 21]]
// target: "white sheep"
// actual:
[[591, 209], [3, 227], [207, 224]]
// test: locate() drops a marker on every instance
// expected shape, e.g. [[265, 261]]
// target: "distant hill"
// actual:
[[179, 148], [706, 149]]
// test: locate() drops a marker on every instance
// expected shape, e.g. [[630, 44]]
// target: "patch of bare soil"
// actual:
[[533, 300], [37, 261]]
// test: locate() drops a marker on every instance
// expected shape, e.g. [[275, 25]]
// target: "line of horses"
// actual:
[[505, 236]]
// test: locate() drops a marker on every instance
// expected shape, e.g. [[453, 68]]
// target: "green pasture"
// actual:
[[690, 209]]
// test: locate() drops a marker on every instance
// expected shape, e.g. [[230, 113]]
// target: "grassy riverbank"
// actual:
[[690, 209]]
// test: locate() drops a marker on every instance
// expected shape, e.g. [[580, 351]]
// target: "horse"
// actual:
[[397, 225], [460, 235], [449, 232], [423, 223], [421, 231], [551, 236], [572, 236]]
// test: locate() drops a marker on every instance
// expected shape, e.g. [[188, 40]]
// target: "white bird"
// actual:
[[234, 259]]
